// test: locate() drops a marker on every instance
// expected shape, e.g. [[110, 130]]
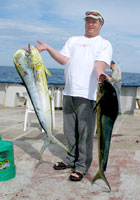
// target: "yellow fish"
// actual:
[[30, 67]]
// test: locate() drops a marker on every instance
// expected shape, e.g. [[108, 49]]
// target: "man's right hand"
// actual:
[[42, 46]]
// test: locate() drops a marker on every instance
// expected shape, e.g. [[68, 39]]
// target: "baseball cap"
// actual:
[[95, 15], [112, 62]]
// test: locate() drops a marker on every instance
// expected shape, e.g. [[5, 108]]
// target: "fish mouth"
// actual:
[[102, 77]]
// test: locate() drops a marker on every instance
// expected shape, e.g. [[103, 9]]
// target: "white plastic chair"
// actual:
[[29, 110]]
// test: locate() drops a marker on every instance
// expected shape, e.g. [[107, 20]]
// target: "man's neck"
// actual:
[[91, 36]]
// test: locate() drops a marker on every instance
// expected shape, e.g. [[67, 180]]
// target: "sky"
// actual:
[[23, 22]]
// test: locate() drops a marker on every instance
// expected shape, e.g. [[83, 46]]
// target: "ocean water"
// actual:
[[8, 74]]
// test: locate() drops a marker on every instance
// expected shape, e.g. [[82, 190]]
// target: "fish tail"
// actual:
[[55, 141], [100, 175], [45, 145], [47, 142]]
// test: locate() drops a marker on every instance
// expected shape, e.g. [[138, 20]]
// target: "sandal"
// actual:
[[61, 166], [79, 176]]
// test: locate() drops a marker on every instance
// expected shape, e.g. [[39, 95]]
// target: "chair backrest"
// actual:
[[29, 105]]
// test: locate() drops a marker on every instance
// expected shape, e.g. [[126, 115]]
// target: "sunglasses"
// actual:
[[96, 14], [93, 13]]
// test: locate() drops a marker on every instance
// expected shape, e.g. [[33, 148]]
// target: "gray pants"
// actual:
[[79, 124]]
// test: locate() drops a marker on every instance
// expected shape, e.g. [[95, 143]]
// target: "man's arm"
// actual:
[[53, 53], [100, 67]]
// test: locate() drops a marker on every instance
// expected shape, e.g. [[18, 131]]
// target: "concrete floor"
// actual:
[[36, 180]]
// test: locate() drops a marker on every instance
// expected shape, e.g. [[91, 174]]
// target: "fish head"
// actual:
[[102, 77], [28, 58]]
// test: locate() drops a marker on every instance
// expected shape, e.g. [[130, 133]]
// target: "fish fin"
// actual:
[[47, 71], [100, 175], [55, 141]]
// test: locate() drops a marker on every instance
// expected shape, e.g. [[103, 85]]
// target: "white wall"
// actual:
[[12, 95], [128, 102], [2, 93]]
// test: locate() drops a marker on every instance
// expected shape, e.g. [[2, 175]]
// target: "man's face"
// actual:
[[92, 27], [111, 66]]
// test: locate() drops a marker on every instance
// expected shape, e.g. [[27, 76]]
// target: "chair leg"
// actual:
[[53, 112], [42, 130], [25, 120], [29, 119]]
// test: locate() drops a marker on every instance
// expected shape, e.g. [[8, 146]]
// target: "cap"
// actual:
[[95, 15], [112, 62]]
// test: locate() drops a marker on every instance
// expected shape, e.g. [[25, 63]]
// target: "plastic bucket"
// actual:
[[7, 166]]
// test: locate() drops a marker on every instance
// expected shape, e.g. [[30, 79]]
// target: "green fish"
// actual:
[[107, 112], [29, 65]]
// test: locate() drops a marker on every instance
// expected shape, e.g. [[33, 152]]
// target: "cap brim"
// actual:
[[91, 16], [95, 17]]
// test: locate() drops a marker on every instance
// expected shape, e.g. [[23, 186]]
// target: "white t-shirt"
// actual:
[[80, 76]]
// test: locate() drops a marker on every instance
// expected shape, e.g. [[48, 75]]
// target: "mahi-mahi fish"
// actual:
[[107, 112], [29, 65]]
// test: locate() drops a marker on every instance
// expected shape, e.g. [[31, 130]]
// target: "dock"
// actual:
[[38, 180]]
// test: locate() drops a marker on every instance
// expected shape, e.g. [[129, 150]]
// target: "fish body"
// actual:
[[107, 112], [30, 67]]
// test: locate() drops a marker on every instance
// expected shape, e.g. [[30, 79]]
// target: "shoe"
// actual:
[[79, 177], [61, 166]]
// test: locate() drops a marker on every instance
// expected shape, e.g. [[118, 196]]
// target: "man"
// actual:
[[85, 58], [116, 80]]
